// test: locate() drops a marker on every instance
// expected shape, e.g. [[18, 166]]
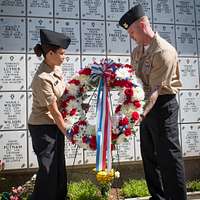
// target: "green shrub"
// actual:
[[135, 188], [83, 190], [193, 186]]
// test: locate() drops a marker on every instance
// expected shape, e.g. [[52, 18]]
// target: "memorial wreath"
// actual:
[[106, 76]]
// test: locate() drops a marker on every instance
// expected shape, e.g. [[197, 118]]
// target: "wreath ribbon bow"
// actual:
[[102, 72]]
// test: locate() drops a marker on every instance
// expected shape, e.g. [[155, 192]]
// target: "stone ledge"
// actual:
[[190, 195]]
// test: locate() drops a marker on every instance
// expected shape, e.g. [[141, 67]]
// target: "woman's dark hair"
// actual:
[[44, 49]]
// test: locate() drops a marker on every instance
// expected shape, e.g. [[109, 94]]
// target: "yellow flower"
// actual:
[[105, 177]]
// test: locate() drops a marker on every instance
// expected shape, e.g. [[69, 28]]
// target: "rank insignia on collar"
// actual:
[[125, 25]]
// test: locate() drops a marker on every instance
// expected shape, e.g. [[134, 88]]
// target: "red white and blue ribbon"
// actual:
[[103, 156]]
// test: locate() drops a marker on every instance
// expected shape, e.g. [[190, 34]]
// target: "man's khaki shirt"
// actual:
[[157, 67], [47, 86]]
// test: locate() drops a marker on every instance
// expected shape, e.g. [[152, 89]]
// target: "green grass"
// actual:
[[134, 188], [86, 190], [83, 190], [193, 186]]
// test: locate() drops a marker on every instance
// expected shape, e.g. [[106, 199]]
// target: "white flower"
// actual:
[[72, 104], [117, 174], [73, 89], [138, 94], [82, 129], [135, 80], [91, 130], [122, 73], [83, 78]]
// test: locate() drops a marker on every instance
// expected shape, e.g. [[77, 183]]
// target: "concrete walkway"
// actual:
[[190, 195]]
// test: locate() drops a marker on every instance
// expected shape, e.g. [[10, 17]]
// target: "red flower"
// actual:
[[123, 121], [74, 81], [128, 92], [66, 91], [127, 132], [137, 104], [128, 100], [118, 108], [127, 84], [70, 98], [64, 113], [84, 139], [112, 147], [128, 66], [73, 112], [82, 90], [64, 104], [135, 116], [82, 122], [85, 71], [75, 129], [93, 142], [114, 136], [118, 64]]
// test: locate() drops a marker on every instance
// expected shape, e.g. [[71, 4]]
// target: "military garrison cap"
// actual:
[[131, 16], [54, 38]]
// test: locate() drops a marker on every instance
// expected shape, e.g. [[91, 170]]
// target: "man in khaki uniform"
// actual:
[[156, 63], [46, 125]]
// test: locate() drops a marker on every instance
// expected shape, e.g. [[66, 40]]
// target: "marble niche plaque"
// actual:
[[114, 99], [88, 60], [138, 156], [12, 34], [92, 9], [146, 4], [189, 73], [42, 8], [186, 40], [197, 11], [33, 64], [70, 66], [118, 41], [12, 110], [93, 37], [121, 59], [190, 139], [89, 157], [12, 72], [115, 9], [34, 26], [190, 106], [67, 8], [72, 29], [167, 32], [32, 158], [125, 151], [184, 12], [10, 7], [163, 11], [198, 40], [92, 100], [13, 149], [73, 154]]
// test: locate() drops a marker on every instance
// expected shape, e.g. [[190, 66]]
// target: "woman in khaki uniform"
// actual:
[[46, 124], [156, 63]]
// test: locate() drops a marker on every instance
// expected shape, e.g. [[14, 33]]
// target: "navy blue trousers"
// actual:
[[161, 152], [48, 145]]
